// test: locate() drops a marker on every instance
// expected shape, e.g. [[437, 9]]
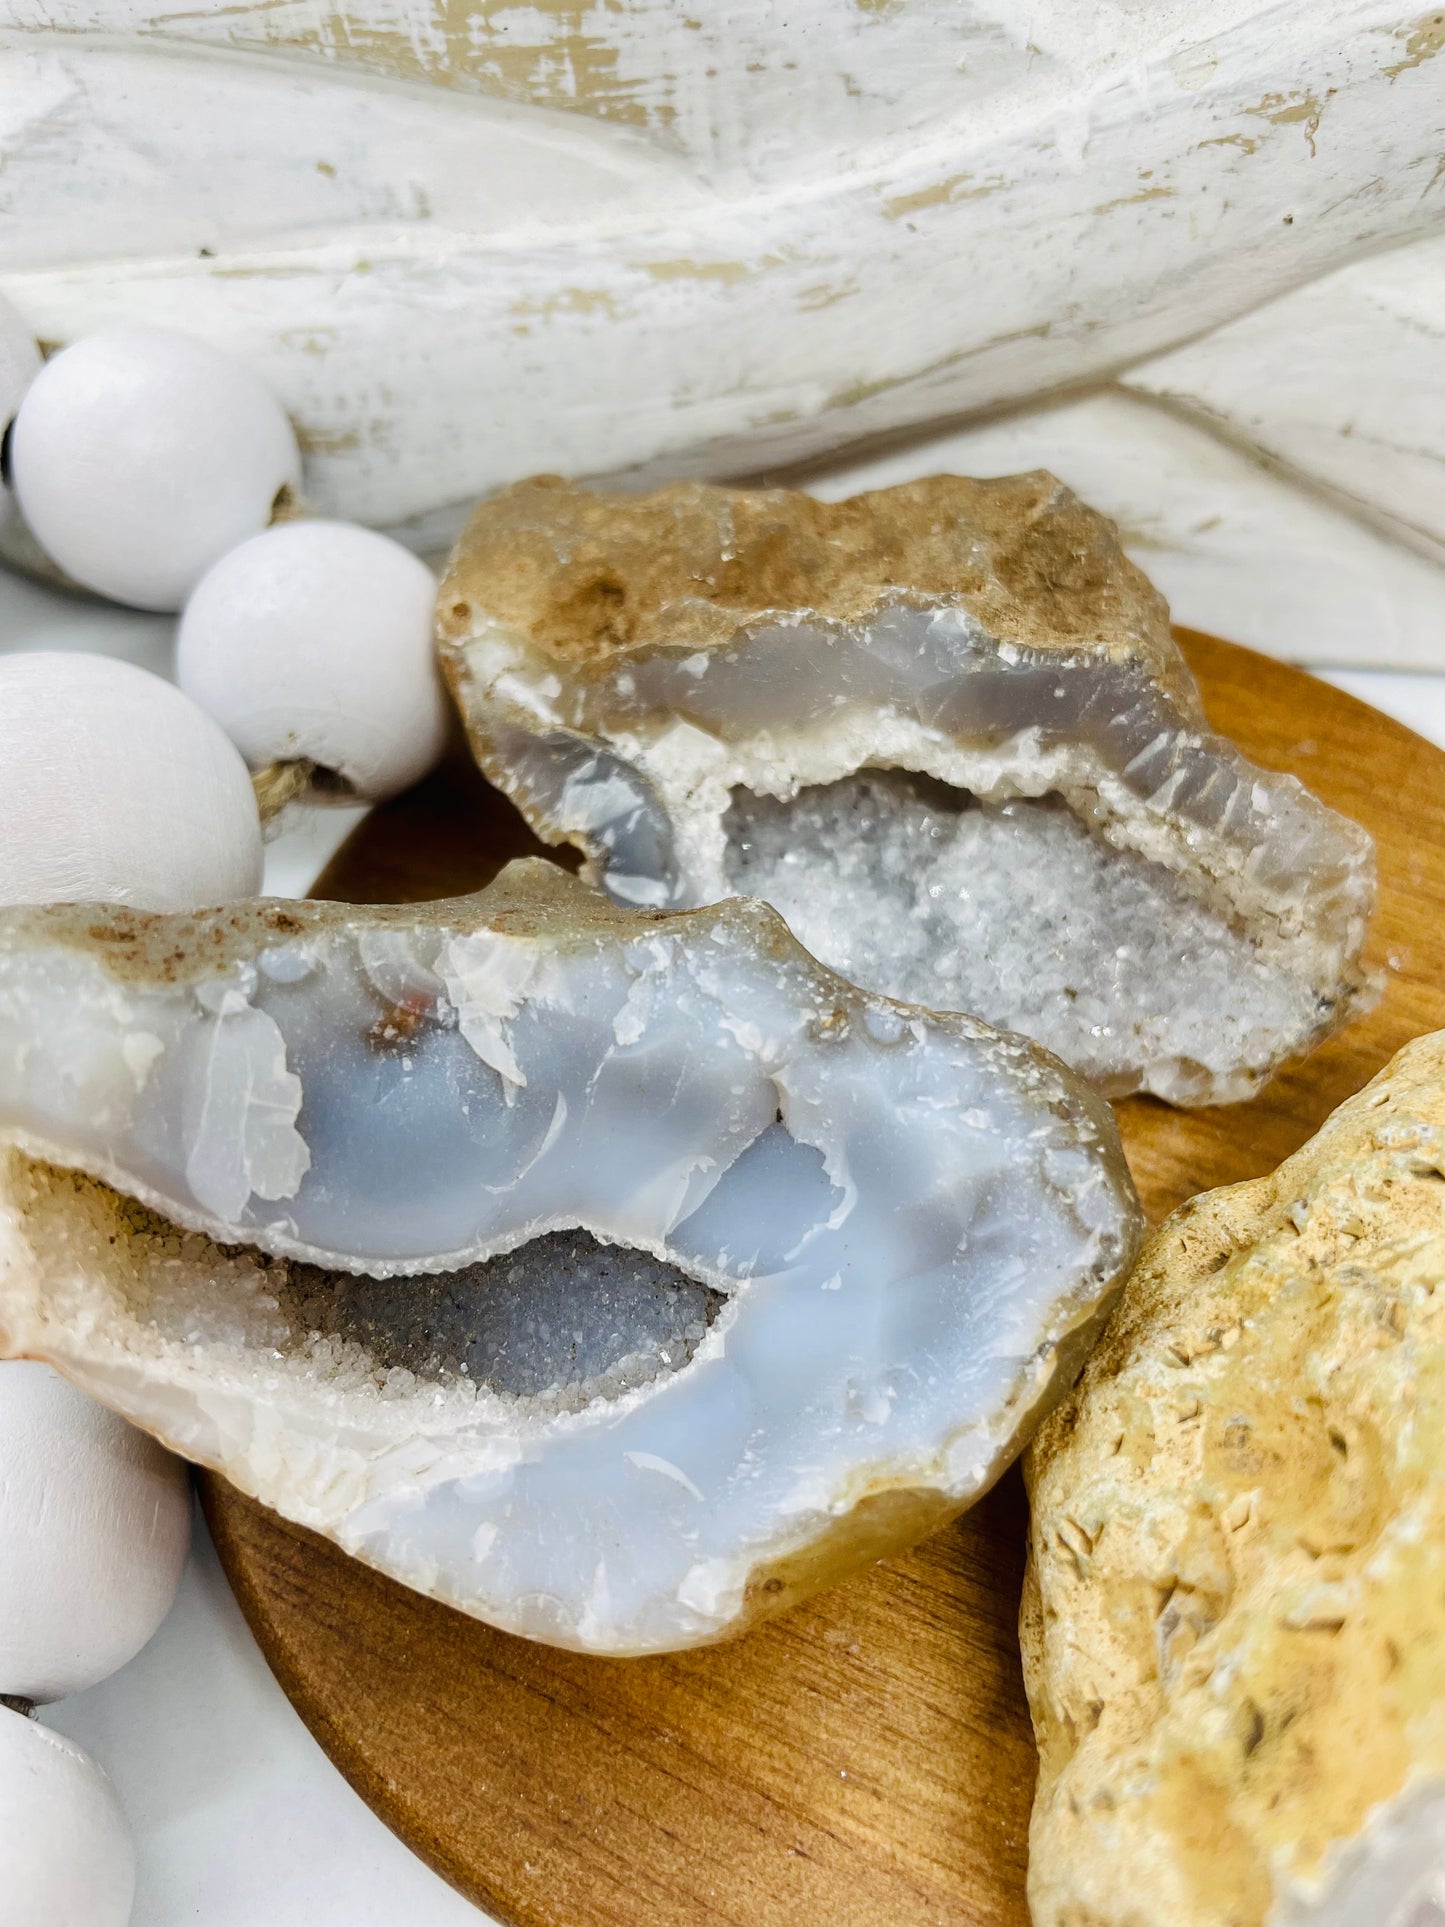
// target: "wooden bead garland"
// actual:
[[148, 468]]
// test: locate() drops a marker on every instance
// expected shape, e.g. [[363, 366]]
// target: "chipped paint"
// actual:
[[824, 295], [943, 194], [716, 88], [1133, 200], [1285, 110], [728, 272], [526, 267], [1422, 42], [1246, 143], [568, 301], [938, 195], [548, 53]]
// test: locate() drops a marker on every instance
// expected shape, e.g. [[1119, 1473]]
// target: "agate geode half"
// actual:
[[618, 1277], [944, 729]]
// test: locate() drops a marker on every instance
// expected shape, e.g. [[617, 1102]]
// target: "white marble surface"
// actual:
[[240, 1819]]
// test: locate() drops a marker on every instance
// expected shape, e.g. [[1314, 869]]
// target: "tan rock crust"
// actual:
[[1234, 1615], [587, 577], [529, 899]]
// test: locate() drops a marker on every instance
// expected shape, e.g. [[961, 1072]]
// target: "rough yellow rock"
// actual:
[[1234, 1616]]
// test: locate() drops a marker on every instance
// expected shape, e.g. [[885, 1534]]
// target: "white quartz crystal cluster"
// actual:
[[615, 1277], [1014, 908]]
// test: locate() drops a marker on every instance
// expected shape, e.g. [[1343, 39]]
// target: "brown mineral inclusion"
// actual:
[[1234, 1616]]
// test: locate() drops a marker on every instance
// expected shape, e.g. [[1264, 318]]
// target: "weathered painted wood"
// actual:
[[1235, 546], [472, 241], [1341, 382]]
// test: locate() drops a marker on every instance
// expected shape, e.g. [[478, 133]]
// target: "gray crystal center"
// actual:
[[1017, 913], [562, 1317]]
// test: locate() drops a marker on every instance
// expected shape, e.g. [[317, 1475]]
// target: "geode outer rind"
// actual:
[[1234, 1613], [916, 1225], [587, 577], [625, 664]]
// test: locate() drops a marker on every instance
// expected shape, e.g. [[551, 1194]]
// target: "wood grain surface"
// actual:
[[867, 1761]]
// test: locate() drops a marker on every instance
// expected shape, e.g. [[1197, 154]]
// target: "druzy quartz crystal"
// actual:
[[616, 1276], [1234, 1614], [943, 728]]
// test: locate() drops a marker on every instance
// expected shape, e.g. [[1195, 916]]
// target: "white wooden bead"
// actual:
[[116, 787], [66, 1858], [315, 640], [140, 456], [95, 1523]]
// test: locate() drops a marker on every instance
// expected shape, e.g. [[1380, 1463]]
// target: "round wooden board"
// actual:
[[868, 1759]]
